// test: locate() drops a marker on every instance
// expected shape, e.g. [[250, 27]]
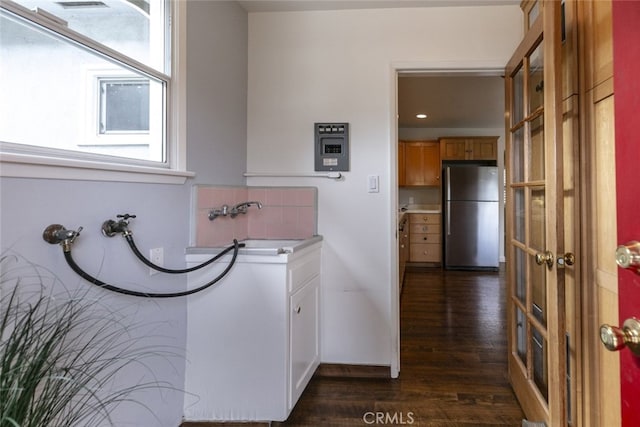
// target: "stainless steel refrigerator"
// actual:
[[471, 215]]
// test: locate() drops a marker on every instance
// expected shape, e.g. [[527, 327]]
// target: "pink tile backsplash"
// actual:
[[287, 213]]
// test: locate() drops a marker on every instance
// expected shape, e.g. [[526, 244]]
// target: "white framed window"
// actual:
[[89, 82], [123, 106]]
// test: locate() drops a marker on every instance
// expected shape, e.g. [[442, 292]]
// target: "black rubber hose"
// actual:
[[112, 288], [148, 263]]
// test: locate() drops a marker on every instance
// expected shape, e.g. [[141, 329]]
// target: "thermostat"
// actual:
[[331, 146]]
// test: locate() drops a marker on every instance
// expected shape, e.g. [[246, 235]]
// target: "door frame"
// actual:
[[600, 369], [426, 69]]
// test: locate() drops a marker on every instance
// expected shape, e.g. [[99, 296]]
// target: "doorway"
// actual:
[[458, 103]]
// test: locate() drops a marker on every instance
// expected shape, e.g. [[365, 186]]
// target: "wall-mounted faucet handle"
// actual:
[[241, 208], [110, 227], [58, 234], [215, 213], [125, 216]]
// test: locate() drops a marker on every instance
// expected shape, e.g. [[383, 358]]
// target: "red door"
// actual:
[[626, 54]]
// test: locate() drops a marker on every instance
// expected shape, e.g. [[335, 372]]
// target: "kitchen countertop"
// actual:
[[421, 209]]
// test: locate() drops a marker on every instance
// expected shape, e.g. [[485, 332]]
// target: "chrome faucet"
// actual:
[[233, 212], [241, 208]]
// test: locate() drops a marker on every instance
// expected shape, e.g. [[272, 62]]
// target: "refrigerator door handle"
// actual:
[[448, 183], [448, 219], [448, 204]]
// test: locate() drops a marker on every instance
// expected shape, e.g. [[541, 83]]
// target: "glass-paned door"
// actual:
[[537, 352]]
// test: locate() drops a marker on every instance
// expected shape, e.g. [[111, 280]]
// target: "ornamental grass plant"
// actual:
[[61, 352]]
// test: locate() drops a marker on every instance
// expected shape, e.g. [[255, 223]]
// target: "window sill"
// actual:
[[30, 166]]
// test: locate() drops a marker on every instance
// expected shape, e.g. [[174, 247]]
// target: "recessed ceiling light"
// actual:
[[421, 116]]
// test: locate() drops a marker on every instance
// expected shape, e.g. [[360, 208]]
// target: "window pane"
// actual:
[[537, 222], [540, 371], [521, 275], [124, 106], [517, 154], [59, 106], [135, 28], [521, 336], [536, 79], [536, 150], [533, 13], [517, 109], [538, 291], [519, 215]]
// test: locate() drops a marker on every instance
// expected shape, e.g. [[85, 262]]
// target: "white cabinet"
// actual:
[[253, 340], [305, 334]]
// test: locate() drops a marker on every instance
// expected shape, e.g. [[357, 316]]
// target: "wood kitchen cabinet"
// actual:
[[425, 237], [469, 148], [421, 163]]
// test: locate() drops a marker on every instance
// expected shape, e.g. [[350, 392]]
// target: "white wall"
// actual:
[[217, 91], [340, 66], [216, 103]]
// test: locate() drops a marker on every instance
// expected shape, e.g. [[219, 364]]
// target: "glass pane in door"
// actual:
[[521, 336], [517, 145], [540, 371], [519, 215], [537, 220], [536, 80], [517, 106], [536, 149], [538, 284]]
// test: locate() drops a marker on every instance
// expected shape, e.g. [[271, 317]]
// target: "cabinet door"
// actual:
[[452, 149], [431, 162], [305, 338], [482, 149], [422, 163], [413, 163], [401, 167]]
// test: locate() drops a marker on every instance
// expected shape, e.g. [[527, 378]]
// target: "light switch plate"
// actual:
[[373, 183]]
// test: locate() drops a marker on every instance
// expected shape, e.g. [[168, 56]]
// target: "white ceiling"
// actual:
[[450, 101], [298, 5]]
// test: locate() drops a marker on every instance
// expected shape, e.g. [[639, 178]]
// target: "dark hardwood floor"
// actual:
[[453, 363]]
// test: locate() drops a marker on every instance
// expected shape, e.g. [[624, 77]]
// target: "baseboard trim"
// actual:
[[338, 370]]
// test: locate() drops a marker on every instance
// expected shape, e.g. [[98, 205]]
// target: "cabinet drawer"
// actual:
[[424, 228], [425, 238], [303, 271], [425, 252], [424, 218]]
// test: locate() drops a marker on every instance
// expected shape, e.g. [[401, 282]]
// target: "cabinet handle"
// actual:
[[424, 238], [298, 310]]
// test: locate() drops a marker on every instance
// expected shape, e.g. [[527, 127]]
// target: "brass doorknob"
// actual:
[[628, 255], [566, 259], [615, 338], [545, 258]]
